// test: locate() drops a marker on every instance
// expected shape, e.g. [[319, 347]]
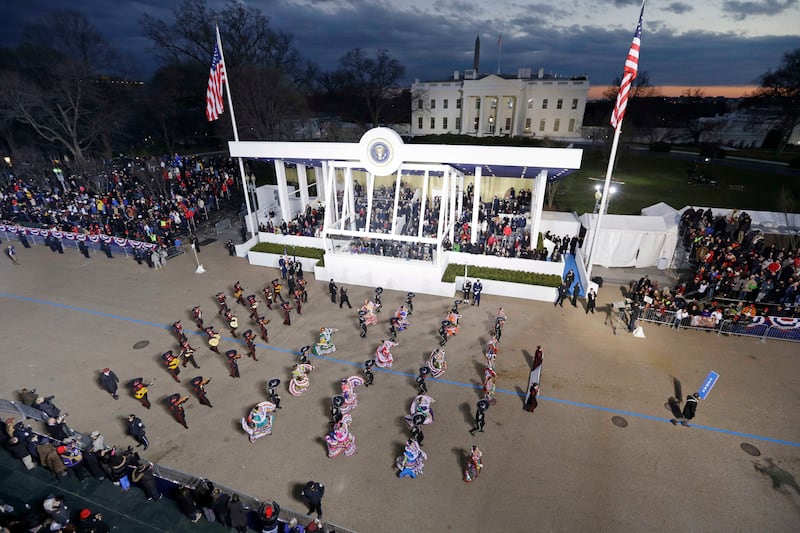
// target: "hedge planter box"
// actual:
[[271, 260], [512, 290]]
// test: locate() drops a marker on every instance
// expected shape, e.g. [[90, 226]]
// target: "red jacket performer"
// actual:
[[233, 322], [213, 339], [238, 291], [199, 388], [176, 408], [262, 325], [249, 339], [140, 389], [233, 356], [197, 315], [173, 364]]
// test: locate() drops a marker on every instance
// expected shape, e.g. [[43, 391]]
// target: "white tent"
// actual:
[[632, 241]]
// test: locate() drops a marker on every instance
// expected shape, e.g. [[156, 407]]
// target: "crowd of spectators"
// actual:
[[151, 200], [68, 454], [306, 224], [735, 275]]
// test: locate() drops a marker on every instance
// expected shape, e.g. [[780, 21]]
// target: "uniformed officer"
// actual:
[[136, 430], [333, 289]]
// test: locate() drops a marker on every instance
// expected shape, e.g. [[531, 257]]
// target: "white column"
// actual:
[[320, 177], [460, 193], [334, 194], [452, 217], [370, 190], [396, 199], [283, 190], [537, 202], [348, 218], [476, 206], [442, 205], [423, 198], [302, 182]]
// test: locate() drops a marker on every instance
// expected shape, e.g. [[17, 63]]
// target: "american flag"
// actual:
[[214, 101], [629, 74]]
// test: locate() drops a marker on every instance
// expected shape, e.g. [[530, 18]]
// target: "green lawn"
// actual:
[[650, 178]]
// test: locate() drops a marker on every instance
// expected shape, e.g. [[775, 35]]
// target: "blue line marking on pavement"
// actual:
[[406, 374]]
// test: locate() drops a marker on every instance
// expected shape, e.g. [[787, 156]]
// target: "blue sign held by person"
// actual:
[[708, 384]]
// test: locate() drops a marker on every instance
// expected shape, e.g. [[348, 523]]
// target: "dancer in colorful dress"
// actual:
[[258, 423], [402, 318], [383, 355], [325, 346], [421, 405], [474, 464], [437, 363], [489, 383], [491, 350], [369, 313], [299, 383], [499, 321], [412, 462], [340, 440], [349, 386]]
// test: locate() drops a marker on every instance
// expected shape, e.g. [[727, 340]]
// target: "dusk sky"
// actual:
[[684, 43]]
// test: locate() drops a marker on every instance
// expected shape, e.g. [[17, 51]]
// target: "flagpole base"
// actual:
[[200, 270]]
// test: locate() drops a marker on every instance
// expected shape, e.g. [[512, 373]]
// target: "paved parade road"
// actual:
[[566, 467]]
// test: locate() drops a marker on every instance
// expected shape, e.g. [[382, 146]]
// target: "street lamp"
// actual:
[[598, 195]]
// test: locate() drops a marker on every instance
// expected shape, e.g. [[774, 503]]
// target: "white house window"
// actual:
[[544, 103], [444, 123], [574, 103], [419, 103], [556, 124], [458, 123], [530, 103], [445, 103], [560, 103], [571, 125], [541, 125], [419, 123], [508, 123], [433, 123], [458, 103], [433, 103], [527, 124]]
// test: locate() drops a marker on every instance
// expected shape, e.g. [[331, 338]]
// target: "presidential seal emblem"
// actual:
[[381, 151]]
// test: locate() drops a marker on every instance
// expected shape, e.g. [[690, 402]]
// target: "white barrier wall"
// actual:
[[505, 263], [512, 290], [291, 240], [271, 260]]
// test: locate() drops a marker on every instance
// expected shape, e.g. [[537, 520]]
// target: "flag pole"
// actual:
[[499, 52], [629, 74], [253, 224], [603, 201]]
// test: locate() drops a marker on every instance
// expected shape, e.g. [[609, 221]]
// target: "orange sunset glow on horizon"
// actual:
[[728, 91]]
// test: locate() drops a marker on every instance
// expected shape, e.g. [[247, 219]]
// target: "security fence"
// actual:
[[778, 328]]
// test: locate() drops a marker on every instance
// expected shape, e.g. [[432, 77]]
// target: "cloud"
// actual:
[[679, 8], [742, 10]]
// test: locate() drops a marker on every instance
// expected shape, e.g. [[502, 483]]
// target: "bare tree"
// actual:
[[641, 87], [372, 79], [781, 88], [56, 90]]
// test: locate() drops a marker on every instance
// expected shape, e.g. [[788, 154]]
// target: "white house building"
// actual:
[[543, 105]]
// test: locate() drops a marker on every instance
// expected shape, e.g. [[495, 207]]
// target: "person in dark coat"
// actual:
[[109, 381], [237, 514], [689, 410], [312, 493], [92, 463], [563, 292], [591, 301], [143, 475], [185, 500], [220, 506], [268, 517], [531, 403], [333, 289]]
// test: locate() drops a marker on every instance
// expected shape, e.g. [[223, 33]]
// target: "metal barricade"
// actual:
[[657, 316], [742, 329], [783, 334]]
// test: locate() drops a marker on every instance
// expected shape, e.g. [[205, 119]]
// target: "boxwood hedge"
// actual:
[[293, 251], [512, 276]]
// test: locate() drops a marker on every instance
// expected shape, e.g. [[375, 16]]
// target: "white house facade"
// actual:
[[537, 106]]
